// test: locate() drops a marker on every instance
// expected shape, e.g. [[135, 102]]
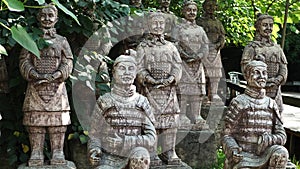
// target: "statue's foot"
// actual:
[[171, 158], [36, 158], [216, 99], [58, 158], [155, 161], [185, 122], [200, 124]]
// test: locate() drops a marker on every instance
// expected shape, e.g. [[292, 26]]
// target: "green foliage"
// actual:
[[296, 162], [3, 50], [20, 35], [78, 20], [238, 18], [292, 46]]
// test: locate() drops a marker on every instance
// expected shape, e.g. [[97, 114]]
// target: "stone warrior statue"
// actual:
[[216, 35], [122, 129], [159, 72], [263, 49], [170, 18], [253, 134], [192, 44], [46, 106]]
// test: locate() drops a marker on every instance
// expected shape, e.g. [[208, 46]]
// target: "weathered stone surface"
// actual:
[[182, 166], [253, 135], [198, 148], [69, 165]]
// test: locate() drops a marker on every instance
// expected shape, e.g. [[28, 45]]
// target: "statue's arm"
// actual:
[[282, 74], [27, 69], [204, 45], [231, 119], [221, 39], [66, 64], [176, 71], [279, 135], [94, 141], [147, 139], [143, 75]]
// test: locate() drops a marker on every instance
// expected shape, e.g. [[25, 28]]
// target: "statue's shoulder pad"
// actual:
[[105, 101]]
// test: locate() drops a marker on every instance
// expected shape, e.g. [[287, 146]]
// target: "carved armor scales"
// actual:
[[123, 117], [159, 64], [192, 44], [162, 61], [256, 119], [272, 56], [215, 33], [46, 104]]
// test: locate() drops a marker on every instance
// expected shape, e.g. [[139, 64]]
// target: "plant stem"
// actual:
[[2, 24], [37, 7]]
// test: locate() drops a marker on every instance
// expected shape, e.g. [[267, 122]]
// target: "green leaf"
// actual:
[[65, 10], [20, 35], [14, 5], [2, 50], [41, 2], [83, 139]]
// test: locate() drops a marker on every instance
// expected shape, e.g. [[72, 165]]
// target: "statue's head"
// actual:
[[139, 158], [209, 6], [256, 74], [136, 3], [264, 25], [156, 22], [189, 10], [48, 16], [124, 70], [165, 3]]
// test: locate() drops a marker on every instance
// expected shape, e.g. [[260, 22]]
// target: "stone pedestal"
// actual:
[[197, 148], [69, 165], [213, 114], [182, 166]]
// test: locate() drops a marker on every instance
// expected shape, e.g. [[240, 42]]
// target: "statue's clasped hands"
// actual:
[[165, 82], [45, 78]]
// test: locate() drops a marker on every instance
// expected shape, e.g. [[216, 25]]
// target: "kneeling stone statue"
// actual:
[[253, 134], [122, 130]]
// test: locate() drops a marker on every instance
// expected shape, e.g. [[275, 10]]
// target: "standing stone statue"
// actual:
[[192, 44], [122, 129], [216, 35], [264, 49], [46, 106], [170, 18], [253, 134], [159, 73], [135, 26]]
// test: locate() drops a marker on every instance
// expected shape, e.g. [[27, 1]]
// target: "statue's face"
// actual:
[[136, 3], [190, 12], [165, 3], [210, 7], [258, 77], [157, 25], [125, 73], [266, 27], [48, 18]]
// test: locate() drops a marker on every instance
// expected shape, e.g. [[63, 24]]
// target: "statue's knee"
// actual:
[[139, 158], [279, 158]]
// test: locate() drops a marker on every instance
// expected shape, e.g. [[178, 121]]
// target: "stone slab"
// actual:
[[198, 148], [182, 166], [69, 165]]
